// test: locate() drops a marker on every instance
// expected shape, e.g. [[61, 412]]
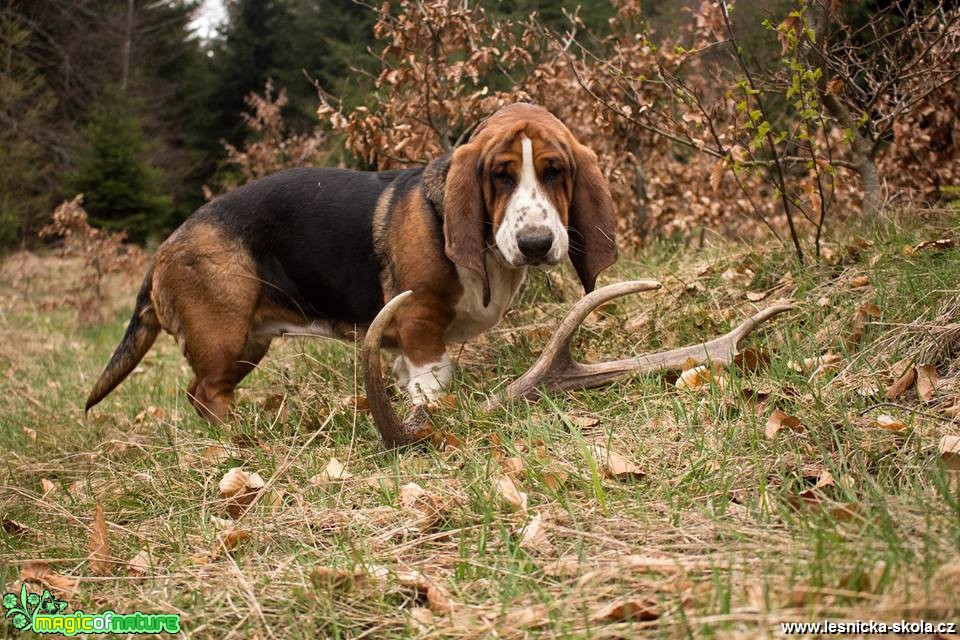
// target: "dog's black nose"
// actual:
[[535, 245]]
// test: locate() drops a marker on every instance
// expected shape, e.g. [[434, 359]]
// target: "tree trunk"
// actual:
[[639, 191], [863, 149], [127, 38]]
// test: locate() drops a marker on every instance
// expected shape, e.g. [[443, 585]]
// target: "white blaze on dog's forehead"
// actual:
[[528, 174]]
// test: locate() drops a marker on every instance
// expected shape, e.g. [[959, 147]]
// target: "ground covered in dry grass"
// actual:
[[780, 493]]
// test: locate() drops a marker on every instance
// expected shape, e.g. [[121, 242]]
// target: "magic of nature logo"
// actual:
[[43, 613]]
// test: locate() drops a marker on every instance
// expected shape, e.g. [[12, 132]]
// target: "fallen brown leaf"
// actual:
[[276, 403], [98, 544], [756, 296], [826, 362], [940, 243], [871, 310], [14, 527], [555, 477], [716, 175], [781, 420], [859, 281], [694, 378], [926, 381], [215, 454], [140, 564], [534, 537], [42, 573], [859, 323], [624, 609], [358, 402], [824, 481], [336, 577], [883, 421], [438, 598], [950, 452], [448, 401], [333, 473], [582, 421], [422, 619], [227, 541], [903, 383], [47, 486], [426, 508], [150, 412], [531, 617], [238, 489], [509, 494], [512, 466], [615, 465], [565, 567], [845, 511], [649, 564], [445, 441], [751, 359]]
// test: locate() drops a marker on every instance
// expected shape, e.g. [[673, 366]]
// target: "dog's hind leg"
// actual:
[[211, 392], [206, 292]]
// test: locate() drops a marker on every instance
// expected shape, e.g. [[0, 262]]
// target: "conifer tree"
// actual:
[[121, 190], [25, 104]]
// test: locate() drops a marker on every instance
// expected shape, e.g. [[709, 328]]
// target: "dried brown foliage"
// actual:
[[661, 154], [272, 148], [437, 66], [689, 135], [102, 252], [893, 80]]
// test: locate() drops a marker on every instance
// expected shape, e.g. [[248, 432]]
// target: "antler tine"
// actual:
[[393, 432], [557, 370], [556, 359]]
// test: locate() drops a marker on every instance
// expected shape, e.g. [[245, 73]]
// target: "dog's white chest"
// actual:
[[472, 318]]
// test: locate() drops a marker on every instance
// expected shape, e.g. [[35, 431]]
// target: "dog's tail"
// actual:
[[141, 333]]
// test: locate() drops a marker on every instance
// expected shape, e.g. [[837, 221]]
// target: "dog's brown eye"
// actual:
[[552, 173], [503, 176]]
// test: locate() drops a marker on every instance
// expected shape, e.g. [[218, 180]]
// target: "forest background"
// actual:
[[833, 107]]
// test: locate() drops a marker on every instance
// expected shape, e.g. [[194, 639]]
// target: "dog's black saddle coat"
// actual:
[[310, 232]]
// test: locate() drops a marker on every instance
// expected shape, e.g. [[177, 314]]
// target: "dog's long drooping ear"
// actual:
[[593, 246], [464, 214]]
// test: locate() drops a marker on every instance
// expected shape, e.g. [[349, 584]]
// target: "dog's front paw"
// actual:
[[424, 383]]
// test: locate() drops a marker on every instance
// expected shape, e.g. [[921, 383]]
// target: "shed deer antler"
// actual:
[[555, 369]]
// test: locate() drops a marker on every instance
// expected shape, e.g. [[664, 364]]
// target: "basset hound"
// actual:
[[319, 251]]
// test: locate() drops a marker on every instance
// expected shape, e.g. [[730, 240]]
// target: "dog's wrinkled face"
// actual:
[[530, 186], [525, 183]]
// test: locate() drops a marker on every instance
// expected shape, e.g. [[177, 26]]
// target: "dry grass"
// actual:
[[716, 540]]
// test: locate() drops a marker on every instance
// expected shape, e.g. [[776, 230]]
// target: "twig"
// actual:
[[908, 409]]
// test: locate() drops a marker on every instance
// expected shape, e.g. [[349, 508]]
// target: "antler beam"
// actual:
[[556, 368]]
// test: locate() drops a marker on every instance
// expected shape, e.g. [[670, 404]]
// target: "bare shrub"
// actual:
[[272, 148], [102, 253]]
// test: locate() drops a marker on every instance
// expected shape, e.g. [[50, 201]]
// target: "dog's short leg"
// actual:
[[401, 372], [211, 392], [423, 369], [205, 291], [427, 382]]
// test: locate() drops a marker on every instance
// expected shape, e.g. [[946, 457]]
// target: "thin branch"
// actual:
[[769, 136]]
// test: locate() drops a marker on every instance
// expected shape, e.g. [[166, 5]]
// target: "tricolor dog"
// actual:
[[320, 250]]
